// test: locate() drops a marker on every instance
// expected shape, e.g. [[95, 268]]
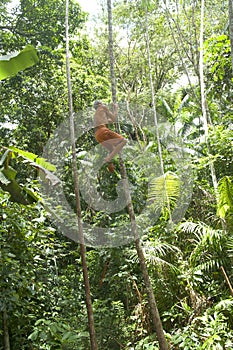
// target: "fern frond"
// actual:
[[209, 244], [226, 304], [209, 265], [165, 190], [156, 252]]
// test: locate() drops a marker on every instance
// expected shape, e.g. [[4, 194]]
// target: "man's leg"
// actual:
[[116, 150]]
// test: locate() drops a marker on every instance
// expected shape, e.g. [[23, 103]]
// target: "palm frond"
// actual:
[[165, 190], [209, 265], [226, 304], [210, 245], [156, 252], [229, 246]]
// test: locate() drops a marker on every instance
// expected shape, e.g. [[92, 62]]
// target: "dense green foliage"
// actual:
[[42, 300]]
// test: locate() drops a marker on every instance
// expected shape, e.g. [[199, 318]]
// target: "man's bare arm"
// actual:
[[112, 116]]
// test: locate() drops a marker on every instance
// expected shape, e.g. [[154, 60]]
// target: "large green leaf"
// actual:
[[32, 158], [18, 193], [41, 164], [22, 194], [3, 179], [11, 64], [225, 198]]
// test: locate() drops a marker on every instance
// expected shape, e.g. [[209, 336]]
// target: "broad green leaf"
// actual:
[[225, 198], [32, 194], [43, 163], [40, 162], [9, 173], [8, 183], [18, 194], [45, 167], [24, 154], [67, 335], [34, 335], [11, 64], [222, 211]]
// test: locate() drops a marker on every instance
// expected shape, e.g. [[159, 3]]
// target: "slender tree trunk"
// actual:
[[6, 338], [204, 105], [153, 94], [205, 112], [230, 5], [171, 20], [111, 52], [93, 340], [151, 298], [155, 112], [201, 73], [227, 279]]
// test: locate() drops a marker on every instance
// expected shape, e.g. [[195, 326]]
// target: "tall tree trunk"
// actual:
[[111, 52], [227, 280], [205, 111], [154, 107], [175, 27], [151, 298], [6, 338], [153, 93], [90, 315], [230, 3], [204, 105], [201, 73]]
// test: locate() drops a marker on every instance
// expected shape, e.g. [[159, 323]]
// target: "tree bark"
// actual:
[[6, 338], [150, 294], [90, 315], [111, 52], [201, 73], [230, 4], [204, 104], [177, 42], [227, 280], [156, 321]]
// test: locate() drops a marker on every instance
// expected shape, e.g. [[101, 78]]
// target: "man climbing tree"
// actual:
[[109, 139]]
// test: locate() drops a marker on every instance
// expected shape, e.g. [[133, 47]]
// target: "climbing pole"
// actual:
[[93, 341], [151, 298]]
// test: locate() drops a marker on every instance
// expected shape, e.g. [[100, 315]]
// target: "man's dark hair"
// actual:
[[96, 104]]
